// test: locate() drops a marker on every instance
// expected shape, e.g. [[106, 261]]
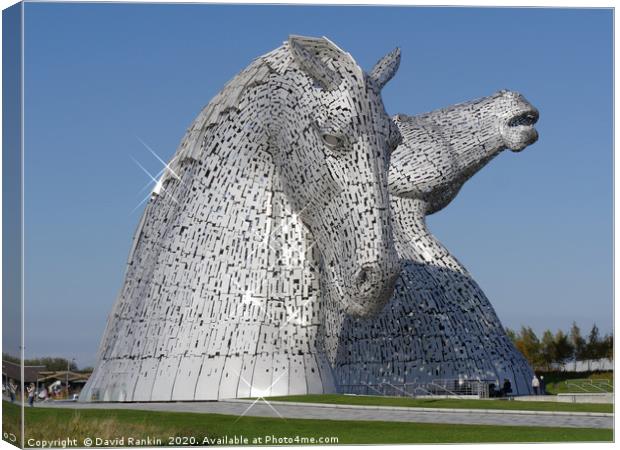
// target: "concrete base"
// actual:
[[569, 398]]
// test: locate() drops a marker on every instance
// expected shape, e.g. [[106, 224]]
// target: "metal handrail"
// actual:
[[599, 381], [376, 390], [447, 390], [591, 384], [436, 387], [399, 389], [424, 390], [596, 386], [576, 385]]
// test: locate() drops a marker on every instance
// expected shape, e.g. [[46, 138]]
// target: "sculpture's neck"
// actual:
[[414, 241], [473, 131], [252, 258], [273, 273]]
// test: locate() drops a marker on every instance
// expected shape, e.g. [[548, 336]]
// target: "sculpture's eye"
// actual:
[[332, 140]]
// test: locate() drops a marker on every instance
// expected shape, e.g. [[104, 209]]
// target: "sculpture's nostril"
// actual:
[[372, 277], [362, 276], [394, 267]]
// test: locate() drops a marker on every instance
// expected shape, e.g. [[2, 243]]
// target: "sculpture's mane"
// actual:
[[212, 114], [277, 61]]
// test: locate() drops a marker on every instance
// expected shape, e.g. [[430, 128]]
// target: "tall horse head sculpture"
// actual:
[[332, 144], [213, 305], [439, 324]]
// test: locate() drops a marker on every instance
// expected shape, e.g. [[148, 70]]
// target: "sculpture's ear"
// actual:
[[386, 68], [307, 53]]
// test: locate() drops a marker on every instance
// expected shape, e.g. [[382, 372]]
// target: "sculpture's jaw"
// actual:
[[372, 292], [518, 130]]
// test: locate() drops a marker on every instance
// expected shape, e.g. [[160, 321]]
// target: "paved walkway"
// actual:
[[355, 412]]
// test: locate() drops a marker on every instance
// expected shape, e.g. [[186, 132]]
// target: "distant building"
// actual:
[[13, 371]]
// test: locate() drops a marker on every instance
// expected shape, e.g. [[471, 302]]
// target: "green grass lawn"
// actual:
[[49, 424], [446, 403], [556, 382]]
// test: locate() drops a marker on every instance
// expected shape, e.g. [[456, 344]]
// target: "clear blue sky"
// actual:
[[535, 228]]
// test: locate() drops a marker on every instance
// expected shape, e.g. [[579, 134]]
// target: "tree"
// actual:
[[512, 335], [564, 349], [547, 350], [51, 363], [578, 343], [594, 346], [529, 345], [10, 358]]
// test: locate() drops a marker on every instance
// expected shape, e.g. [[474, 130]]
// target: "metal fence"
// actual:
[[586, 365], [589, 386], [438, 387]]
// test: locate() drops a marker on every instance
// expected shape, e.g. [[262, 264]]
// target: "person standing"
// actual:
[[535, 384], [12, 390], [30, 390], [506, 388], [542, 385]]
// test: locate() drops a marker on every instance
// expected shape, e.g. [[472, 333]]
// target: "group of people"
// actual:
[[538, 386], [11, 389], [504, 391]]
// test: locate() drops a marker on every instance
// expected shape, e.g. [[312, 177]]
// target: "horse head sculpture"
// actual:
[[460, 139], [296, 144], [439, 325], [332, 141]]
